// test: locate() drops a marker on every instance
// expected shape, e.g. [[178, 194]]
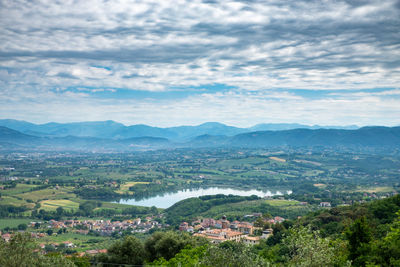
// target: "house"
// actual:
[[220, 235], [6, 237], [207, 222], [325, 204], [245, 227], [251, 240], [183, 226], [279, 219], [266, 233], [68, 244]]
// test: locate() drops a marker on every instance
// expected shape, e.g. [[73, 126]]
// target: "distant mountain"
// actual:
[[207, 140], [11, 139], [115, 130], [101, 129], [7, 134], [364, 138], [291, 126], [141, 130]]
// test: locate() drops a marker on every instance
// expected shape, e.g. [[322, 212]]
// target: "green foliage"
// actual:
[[186, 257], [307, 248], [168, 244], [87, 207], [104, 193], [359, 237], [386, 251], [130, 250], [385, 210], [22, 226], [231, 255], [21, 251]]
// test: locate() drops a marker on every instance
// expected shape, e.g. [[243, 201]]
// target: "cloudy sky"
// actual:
[[168, 63]]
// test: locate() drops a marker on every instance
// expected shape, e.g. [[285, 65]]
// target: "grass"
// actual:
[[14, 222], [48, 193], [8, 200], [83, 242], [377, 189], [277, 159], [54, 204], [125, 187], [20, 188], [281, 202]]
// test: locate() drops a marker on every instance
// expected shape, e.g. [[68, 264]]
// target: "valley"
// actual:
[[60, 186]]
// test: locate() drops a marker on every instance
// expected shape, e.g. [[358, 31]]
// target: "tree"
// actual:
[[307, 248], [168, 244], [386, 252], [359, 237], [22, 227], [130, 250], [21, 251], [186, 257], [60, 211], [231, 254]]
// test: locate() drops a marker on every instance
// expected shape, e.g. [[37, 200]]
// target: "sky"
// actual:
[[184, 62]]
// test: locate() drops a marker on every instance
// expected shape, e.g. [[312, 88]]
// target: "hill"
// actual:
[[114, 130], [364, 138]]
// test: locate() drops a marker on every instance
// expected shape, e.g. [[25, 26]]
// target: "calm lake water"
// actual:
[[168, 199]]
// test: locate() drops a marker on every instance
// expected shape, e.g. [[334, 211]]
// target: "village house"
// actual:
[[266, 233], [220, 235], [325, 204], [183, 226], [251, 240], [6, 237]]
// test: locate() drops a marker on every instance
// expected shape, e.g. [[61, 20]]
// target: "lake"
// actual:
[[166, 200]]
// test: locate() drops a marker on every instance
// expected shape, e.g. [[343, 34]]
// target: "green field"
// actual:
[[20, 188], [124, 189], [282, 203], [83, 242], [14, 222], [54, 204], [48, 193]]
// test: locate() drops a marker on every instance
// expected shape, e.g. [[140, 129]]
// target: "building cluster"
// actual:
[[65, 244], [218, 231], [106, 227], [7, 236]]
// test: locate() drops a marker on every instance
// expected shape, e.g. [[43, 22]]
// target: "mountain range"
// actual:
[[115, 130], [113, 136]]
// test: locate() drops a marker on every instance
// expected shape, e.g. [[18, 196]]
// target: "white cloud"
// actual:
[[158, 45]]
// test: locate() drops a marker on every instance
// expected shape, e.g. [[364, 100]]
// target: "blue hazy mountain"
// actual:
[[375, 137], [14, 140], [102, 129], [115, 130], [291, 126]]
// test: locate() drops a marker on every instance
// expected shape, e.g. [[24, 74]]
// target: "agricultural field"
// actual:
[[124, 188], [13, 223], [82, 242], [19, 189], [48, 193], [282, 202], [54, 204]]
